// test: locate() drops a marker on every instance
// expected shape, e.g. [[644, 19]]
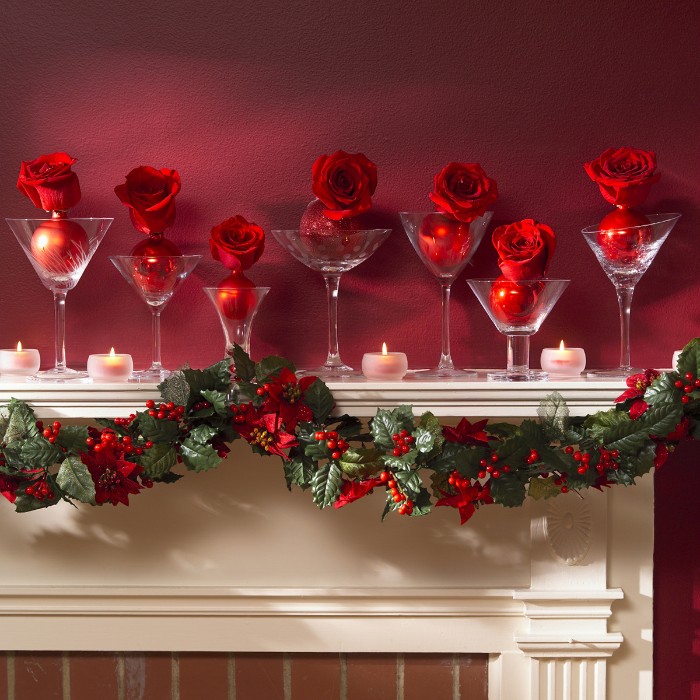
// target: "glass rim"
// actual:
[[235, 289], [666, 218], [67, 218], [444, 213], [343, 231], [529, 281], [141, 257]]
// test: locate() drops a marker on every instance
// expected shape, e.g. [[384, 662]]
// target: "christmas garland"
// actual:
[[416, 463]]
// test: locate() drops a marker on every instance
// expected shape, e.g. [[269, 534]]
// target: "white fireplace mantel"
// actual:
[[229, 560]]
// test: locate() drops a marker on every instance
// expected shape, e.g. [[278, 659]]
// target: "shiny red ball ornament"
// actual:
[[622, 234], [155, 245], [444, 240], [60, 246], [154, 273], [233, 297], [324, 238], [512, 303]]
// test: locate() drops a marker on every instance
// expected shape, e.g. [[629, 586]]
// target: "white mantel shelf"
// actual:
[[468, 397]]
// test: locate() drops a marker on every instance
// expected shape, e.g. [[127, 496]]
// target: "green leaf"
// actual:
[[539, 488], [403, 415], [662, 390], [359, 462], [74, 479], [72, 438], [425, 440], [383, 426], [554, 415], [502, 430], [320, 400], [39, 452], [513, 450], [158, 461], [447, 460], [271, 366], [175, 388], [199, 457], [509, 492], [157, 430], [326, 484], [439, 483], [202, 433], [21, 422], [432, 424], [411, 482], [214, 378], [299, 471], [218, 400], [26, 503], [689, 359], [422, 505], [245, 367]]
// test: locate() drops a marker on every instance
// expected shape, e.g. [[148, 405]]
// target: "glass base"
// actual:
[[331, 372], [530, 375], [615, 373], [150, 375], [56, 375], [445, 373]]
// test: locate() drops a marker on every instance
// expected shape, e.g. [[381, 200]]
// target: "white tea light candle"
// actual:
[[563, 361], [111, 367], [20, 362], [390, 366]]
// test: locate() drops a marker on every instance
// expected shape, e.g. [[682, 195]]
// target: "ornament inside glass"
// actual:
[[623, 234], [324, 237]]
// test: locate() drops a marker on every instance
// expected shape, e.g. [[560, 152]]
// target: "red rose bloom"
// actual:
[[150, 196], [524, 249], [345, 183], [624, 175], [464, 191], [237, 243], [114, 477], [49, 182]]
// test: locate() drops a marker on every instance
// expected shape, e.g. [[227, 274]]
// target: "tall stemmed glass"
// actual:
[[59, 250], [332, 255], [625, 255], [155, 279], [445, 246], [518, 309]]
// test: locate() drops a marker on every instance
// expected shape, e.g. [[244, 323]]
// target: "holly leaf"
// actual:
[[383, 426], [447, 460], [26, 503], [320, 400], [245, 367], [214, 378], [202, 434], [175, 388], [422, 504], [410, 481], [432, 424], [554, 415], [689, 359], [74, 479], [271, 366], [39, 452], [299, 472], [509, 492], [326, 484], [503, 430], [72, 438], [158, 461], [198, 457], [218, 401], [513, 450], [539, 488], [439, 483], [157, 430], [403, 415], [21, 422], [662, 390], [359, 462], [425, 440]]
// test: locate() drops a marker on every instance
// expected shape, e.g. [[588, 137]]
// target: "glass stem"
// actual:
[[446, 356], [624, 299], [518, 353], [332, 287], [59, 302], [155, 348]]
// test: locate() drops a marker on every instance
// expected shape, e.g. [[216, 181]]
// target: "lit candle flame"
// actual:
[[19, 347], [384, 352], [561, 345], [111, 352]]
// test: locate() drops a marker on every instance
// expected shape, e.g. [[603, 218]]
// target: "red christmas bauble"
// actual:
[[444, 240], [233, 297], [155, 245], [154, 273], [325, 238], [511, 302], [617, 238], [60, 246]]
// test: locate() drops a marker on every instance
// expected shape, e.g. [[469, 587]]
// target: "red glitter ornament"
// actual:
[[324, 238], [622, 234], [60, 245], [233, 297]]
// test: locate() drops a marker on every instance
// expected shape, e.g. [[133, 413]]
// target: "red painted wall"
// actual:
[[241, 98]]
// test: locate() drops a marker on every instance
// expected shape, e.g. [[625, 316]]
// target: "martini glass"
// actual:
[[518, 309], [155, 279], [236, 309], [625, 255], [59, 250], [445, 246], [332, 255]]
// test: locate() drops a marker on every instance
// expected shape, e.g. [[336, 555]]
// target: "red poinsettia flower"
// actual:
[[266, 432], [661, 454], [680, 432], [8, 487], [467, 433], [285, 396], [638, 384], [353, 490], [467, 498], [114, 477]]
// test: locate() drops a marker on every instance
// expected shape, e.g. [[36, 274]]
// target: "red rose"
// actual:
[[237, 243], [524, 249], [624, 175], [150, 196], [49, 182], [345, 183], [464, 190]]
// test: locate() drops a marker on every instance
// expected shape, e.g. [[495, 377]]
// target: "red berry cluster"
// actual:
[[690, 384], [200, 405], [262, 390], [125, 422], [108, 439], [165, 411], [333, 442], [489, 467], [239, 412], [402, 442], [392, 485], [40, 490], [607, 459], [50, 433]]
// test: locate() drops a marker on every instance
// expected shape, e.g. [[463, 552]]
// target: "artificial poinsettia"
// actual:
[[265, 431], [467, 498], [638, 384], [353, 490], [467, 433], [114, 477], [285, 396]]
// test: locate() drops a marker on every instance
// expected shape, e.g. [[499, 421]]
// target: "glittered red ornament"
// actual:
[[60, 245], [513, 302], [233, 297], [155, 273], [325, 239], [622, 233], [444, 240]]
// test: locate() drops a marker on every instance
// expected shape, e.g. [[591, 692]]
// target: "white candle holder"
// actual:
[[110, 367], [563, 361], [386, 366], [19, 362]]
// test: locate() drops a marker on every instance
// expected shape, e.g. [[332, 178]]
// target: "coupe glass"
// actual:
[[518, 309], [236, 309], [155, 279], [59, 250], [445, 246], [625, 255], [332, 255]]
